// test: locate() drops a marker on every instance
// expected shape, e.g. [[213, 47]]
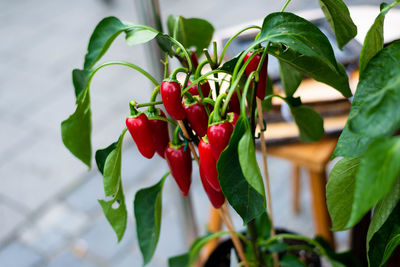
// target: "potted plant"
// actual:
[[220, 116]]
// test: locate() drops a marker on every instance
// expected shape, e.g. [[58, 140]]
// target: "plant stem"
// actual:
[[163, 119], [148, 104], [186, 134], [285, 5]]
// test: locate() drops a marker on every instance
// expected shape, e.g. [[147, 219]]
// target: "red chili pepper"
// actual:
[[139, 126], [205, 89], [216, 198], [197, 117], [171, 98], [193, 58], [234, 103], [180, 164], [233, 118], [160, 132], [209, 164], [218, 137], [253, 64]]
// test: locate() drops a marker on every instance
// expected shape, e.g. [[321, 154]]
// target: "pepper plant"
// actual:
[[222, 124]]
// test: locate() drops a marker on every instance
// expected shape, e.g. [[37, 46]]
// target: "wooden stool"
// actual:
[[314, 157]]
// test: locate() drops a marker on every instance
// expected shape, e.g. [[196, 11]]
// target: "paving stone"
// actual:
[[10, 220], [18, 255], [68, 258]]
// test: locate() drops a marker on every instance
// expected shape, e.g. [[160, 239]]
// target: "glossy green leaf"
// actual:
[[80, 79], [247, 202], [338, 16], [191, 32], [116, 216], [112, 168], [351, 144], [229, 65], [373, 41], [76, 130], [140, 35], [103, 35], [164, 43], [179, 261], [301, 44], [382, 211], [383, 243], [147, 209], [377, 172], [290, 260], [340, 191], [248, 162], [309, 122], [102, 154], [290, 78], [376, 108]]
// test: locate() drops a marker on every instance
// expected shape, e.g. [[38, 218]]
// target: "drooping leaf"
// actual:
[[164, 43], [103, 35], [112, 168], [248, 162], [76, 130], [290, 260], [378, 95], [377, 172], [373, 41], [338, 16], [340, 191], [309, 122], [351, 144], [116, 216], [147, 209], [384, 242], [80, 79], [382, 211], [301, 44], [137, 36], [102, 154], [191, 32], [247, 202], [179, 261], [290, 78]]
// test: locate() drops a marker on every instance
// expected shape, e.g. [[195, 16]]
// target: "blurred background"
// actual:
[[49, 214]]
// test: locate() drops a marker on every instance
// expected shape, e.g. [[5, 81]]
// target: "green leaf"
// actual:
[[382, 211], [263, 226], [309, 122], [301, 44], [80, 79], [247, 202], [338, 16], [179, 261], [102, 154], [112, 168], [340, 191], [384, 242], [76, 130], [373, 41], [267, 104], [351, 144], [335, 259], [140, 36], [290, 78], [378, 95], [290, 260], [103, 35], [116, 216], [191, 32], [377, 172], [229, 65], [147, 209], [164, 43], [248, 162]]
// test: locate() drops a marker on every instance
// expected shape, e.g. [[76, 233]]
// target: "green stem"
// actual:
[[208, 100], [132, 107], [201, 78], [217, 115], [199, 68], [175, 138], [209, 59], [221, 57], [166, 64], [163, 119], [190, 66], [245, 90], [153, 97], [215, 53], [252, 231], [285, 5], [177, 70], [148, 104]]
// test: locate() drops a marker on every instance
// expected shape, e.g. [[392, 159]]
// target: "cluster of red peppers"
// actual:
[[149, 130]]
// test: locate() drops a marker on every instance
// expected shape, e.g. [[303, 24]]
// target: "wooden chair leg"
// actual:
[[322, 221], [214, 225], [296, 188]]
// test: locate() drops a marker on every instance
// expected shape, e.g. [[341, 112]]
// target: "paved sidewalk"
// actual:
[[49, 215]]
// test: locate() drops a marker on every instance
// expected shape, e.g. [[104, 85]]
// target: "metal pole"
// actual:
[[148, 12]]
